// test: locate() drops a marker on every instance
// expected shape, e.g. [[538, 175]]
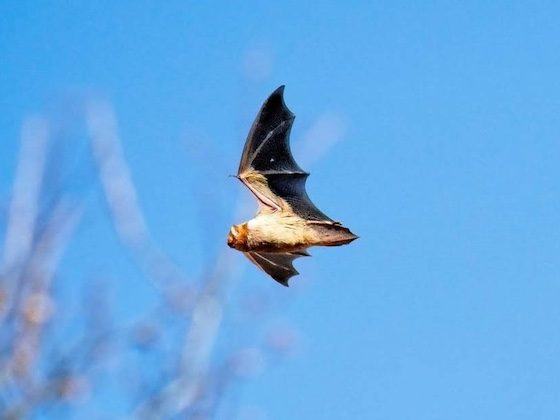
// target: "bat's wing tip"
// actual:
[[279, 90], [275, 103], [279, 93], [283, 280]]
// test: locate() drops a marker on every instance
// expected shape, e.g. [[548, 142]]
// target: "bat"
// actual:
[[287, 222]]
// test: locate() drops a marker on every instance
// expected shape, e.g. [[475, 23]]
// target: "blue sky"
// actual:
[[446, 167]]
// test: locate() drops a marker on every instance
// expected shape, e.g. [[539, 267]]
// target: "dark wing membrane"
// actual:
[[279, 266], [267, 151], [291, 187], [267, 146]]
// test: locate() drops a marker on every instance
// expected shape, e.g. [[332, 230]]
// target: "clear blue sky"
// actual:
[[448, 169]]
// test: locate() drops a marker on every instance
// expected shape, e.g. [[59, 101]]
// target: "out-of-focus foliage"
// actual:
[[45, 370], [59, 369]]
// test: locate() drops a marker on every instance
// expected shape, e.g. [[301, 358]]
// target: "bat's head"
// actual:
[[237, 237]]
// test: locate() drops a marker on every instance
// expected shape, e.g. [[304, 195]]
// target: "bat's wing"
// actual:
[[278, 265], [267, 166]]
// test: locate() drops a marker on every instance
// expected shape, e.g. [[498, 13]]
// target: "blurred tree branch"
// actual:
[[54, 369]]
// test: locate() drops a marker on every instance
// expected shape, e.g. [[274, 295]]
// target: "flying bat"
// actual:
[[287, 222]]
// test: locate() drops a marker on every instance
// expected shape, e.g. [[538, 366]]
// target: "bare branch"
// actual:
[[26, 192]]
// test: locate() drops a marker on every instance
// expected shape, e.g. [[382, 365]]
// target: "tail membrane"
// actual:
[[333, 234]]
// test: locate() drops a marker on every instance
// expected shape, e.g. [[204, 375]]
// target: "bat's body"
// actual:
[[284, 232], [271, 232], [287, 222]]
